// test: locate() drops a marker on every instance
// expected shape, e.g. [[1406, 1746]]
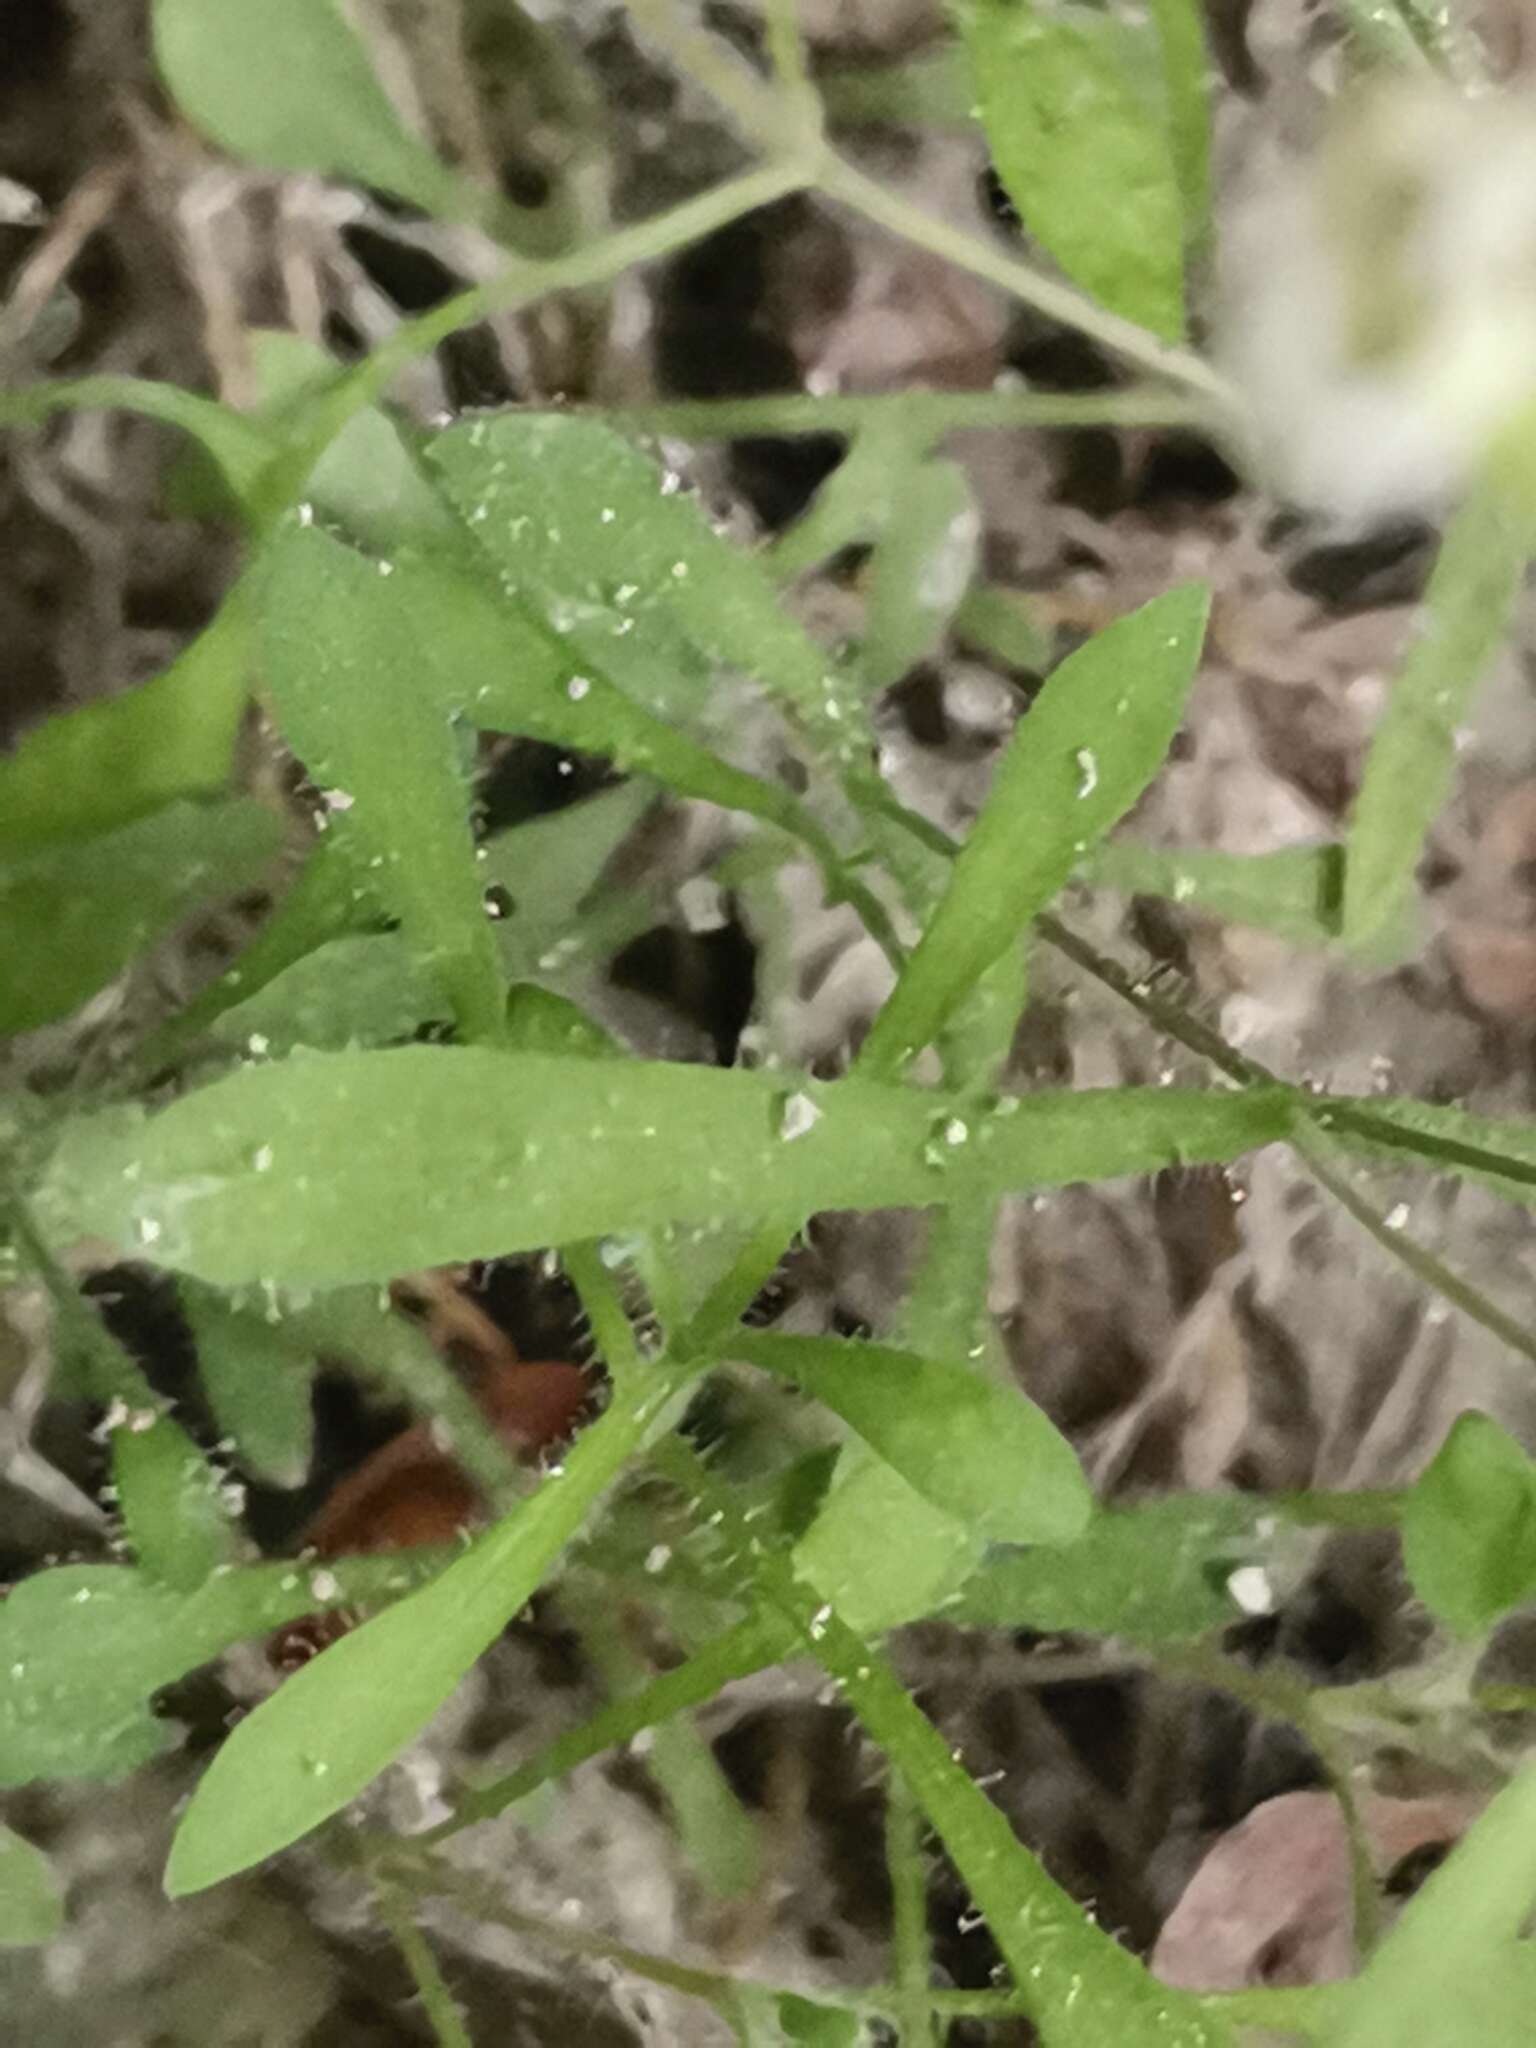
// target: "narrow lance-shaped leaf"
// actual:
[[330, 1730], [980, 1451], [1409, 769], [360, 1166], [92, 770], [366, 479], [289, 86], [342, 662], [1083, 149], [31, 1899], [1005, 623], [258, 1387], [168, 1496], [361, 989], [627, 568], [922, 568], [1079, 758], [73, 917], [327, 898]]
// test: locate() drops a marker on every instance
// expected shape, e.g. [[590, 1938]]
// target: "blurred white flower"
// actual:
[[1379, 300]]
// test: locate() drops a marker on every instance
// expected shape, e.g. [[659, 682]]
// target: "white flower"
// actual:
[[1379, 300]]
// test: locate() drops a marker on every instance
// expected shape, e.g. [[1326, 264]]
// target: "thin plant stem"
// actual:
[[754, 105], [751, 1646], [1311, 1145], [1424, 1265], [437, 2000], [911, 1954], [785, 44], [925, 415]]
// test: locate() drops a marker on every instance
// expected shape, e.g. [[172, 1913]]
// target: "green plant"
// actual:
[[535, 573]]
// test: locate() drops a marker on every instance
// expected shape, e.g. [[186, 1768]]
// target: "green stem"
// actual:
[[436, 1999], [1433, 1272], [1322, 1116], [927, 415], [752, 1646], [911, 1957], [757, 109]]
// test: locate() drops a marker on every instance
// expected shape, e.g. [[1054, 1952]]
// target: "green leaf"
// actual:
[[326, 899], [257, 1384], [979, 1451], [343, 664], [344, 1717], [364, 989], [1083, 150], [855, 502], [551, 864], [1156, 1573], [72, 918], [1079, 758], [540, 1022], [86, 1647], [921, 570], [562, 505], [289, 86], [168, 1496], [337, 1166], [1409, 770], [1453, 1969], [31, 1900], [1469, 1526], [1180, 26], [366, 479], [108, 764], [1003, 622], [1294, 892], [816, 2026], [880, 1552]]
